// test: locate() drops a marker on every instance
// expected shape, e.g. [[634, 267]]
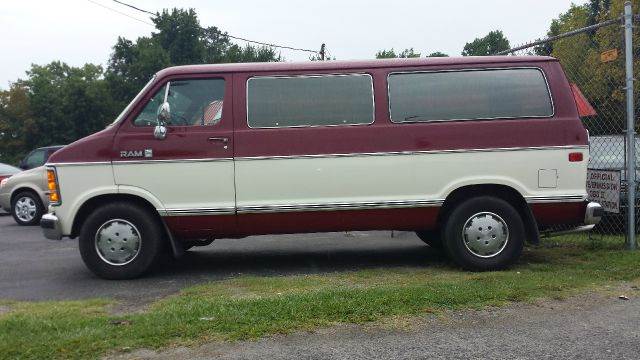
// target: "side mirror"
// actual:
[[164, 115], [22, 165]]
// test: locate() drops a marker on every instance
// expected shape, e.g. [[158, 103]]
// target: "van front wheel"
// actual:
[[121, 241], [484, 233]]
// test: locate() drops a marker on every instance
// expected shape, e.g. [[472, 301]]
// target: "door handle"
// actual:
[[223, 140]]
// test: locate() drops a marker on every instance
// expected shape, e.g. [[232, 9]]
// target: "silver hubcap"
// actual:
[[26, 209], [118, 242], [485, 234]]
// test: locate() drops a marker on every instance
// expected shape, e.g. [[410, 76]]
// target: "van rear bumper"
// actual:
[[51, 227], [592, 215]]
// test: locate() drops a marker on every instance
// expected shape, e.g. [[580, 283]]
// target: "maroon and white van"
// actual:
[[475, 154]]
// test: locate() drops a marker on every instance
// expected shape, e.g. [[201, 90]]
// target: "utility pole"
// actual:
[[322, 52], [631, 131]]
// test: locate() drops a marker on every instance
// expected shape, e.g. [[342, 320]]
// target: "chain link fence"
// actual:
[[593, 58]]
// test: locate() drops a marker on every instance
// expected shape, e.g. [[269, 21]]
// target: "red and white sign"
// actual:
[[603, 186]]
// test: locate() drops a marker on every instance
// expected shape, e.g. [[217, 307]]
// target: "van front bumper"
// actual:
[[51, 227]]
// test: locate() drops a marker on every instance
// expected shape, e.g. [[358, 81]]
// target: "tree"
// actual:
[[15, 122], [601, 82], [438, 54], [492, 43], [55, 104], [179, 40], [391, 54]]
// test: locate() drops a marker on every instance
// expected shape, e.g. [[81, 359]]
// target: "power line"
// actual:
[[227, 34], [272, 45], [136, 8], [120, 12]]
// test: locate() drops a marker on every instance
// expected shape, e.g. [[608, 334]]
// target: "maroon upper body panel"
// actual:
[[93, 148], [564, 128]]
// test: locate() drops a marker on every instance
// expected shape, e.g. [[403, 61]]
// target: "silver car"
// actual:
[[25, 195]]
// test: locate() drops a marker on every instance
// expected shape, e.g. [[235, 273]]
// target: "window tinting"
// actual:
[[309, 101], [192, 102], [461, 95]]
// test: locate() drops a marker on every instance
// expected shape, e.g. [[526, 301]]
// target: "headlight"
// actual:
[[3, 182]]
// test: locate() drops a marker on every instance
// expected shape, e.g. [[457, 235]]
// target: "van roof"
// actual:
[[346, 65]]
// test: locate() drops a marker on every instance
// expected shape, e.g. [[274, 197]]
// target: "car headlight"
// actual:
[[3, 182]]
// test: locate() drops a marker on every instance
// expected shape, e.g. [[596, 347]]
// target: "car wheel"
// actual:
[[26, 208], [431, 238], [484, 233], [121, 241]]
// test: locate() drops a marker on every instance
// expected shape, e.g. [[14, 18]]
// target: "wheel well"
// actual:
[[90, 205], [24, 189], [506, 193]]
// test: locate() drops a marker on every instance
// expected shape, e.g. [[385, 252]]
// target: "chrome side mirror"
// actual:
[[164, 115]]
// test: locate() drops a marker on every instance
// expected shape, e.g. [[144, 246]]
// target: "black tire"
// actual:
[[431, 238], [32, 198], [150, 247], [505, 253]]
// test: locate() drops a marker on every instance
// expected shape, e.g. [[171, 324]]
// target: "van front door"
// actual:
[[190, 173]]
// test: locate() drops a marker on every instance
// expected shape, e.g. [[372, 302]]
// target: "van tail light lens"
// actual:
[[584, 107], [576, 157], [52, 185]]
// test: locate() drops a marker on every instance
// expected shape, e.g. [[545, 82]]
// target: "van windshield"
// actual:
[[133, 102]]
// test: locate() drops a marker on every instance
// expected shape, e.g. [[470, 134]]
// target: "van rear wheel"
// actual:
[[121, 241], [484, 233]]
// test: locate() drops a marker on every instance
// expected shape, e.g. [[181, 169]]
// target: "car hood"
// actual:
[[36, 176]]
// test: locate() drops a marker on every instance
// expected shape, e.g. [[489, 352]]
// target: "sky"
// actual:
[[81, 31]]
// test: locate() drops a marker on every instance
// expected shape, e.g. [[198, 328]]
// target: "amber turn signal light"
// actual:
[[576, 157], [52, 185]]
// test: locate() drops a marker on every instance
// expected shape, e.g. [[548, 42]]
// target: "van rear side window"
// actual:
[[318, 100], [469, 95]]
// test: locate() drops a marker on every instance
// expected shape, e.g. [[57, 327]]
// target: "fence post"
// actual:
[[631, 133]]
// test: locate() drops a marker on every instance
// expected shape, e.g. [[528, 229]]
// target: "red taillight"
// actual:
[[576, 157], [584, 108]]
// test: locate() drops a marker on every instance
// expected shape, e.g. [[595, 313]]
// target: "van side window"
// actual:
[[468, 95], [318, 100], [192, 102]]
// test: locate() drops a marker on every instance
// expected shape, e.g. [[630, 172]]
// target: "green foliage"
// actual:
[[438, 54], [391, 54], [492, 43], [56, 104], [601, 82], [179, 40]]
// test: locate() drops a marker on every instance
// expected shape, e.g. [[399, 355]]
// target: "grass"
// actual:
[[250, 307]]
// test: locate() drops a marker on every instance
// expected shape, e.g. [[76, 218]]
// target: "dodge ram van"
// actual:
[[477, 155]]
